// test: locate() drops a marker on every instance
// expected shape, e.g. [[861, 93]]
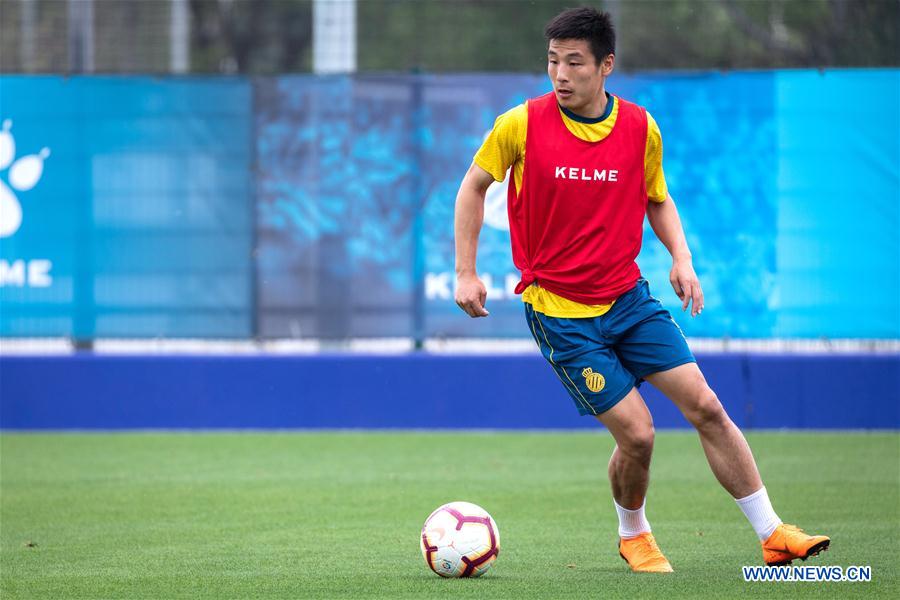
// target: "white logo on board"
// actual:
[[495, 214], [23, 175]]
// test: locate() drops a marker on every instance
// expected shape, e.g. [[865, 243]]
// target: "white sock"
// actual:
[[632, 522], [758, 510]]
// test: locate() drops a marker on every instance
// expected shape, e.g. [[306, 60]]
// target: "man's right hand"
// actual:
[[471, 296]]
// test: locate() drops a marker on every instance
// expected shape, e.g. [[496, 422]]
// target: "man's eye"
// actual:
[[552, 62], [575, 64]]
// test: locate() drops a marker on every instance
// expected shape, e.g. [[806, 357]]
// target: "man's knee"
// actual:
[[638, 442], [706, 411]]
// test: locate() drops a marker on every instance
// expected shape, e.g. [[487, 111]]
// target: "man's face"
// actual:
[[576, 75]]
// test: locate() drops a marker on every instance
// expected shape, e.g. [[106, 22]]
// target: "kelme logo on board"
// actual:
[[23, 175]]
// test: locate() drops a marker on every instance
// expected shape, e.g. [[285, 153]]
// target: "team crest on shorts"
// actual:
[[594, 381]]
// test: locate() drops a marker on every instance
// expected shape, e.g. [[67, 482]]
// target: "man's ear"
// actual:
[[608, 64]]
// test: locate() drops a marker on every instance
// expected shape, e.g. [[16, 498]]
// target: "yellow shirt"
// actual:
[[505, 147]]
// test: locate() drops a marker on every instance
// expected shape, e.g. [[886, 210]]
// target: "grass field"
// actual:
[[335, 515]]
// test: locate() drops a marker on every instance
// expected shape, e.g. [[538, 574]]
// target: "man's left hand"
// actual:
[[686, 285]]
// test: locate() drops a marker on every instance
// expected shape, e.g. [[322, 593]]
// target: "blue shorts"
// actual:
[[599, 359]]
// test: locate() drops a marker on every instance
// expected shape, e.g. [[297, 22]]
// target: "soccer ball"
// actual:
[[460, 539]]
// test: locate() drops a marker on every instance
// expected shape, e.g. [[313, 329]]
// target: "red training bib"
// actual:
[[577, 223]]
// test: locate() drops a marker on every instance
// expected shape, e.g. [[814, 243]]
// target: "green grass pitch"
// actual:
[[338, 515]]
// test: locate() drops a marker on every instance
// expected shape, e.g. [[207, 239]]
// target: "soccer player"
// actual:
[[587, 167]]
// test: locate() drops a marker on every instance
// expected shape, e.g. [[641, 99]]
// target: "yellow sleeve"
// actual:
[[653, 169], [505, 144]]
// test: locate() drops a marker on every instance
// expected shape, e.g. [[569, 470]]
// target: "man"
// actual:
[[587, 167]]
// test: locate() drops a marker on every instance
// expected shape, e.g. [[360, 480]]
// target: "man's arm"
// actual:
[[666, 224], [471, 294]]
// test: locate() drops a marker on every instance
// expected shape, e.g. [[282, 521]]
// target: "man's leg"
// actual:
[[599, 384], [732, 462], [726, 449], [631, 426]]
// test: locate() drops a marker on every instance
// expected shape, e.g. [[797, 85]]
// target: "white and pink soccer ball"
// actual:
[[460, 539]]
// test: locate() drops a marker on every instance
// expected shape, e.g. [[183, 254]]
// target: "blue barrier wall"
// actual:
[[304, 206], [416, 391]]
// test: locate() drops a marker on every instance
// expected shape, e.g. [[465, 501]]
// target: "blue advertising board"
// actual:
[[791, 213], [127, 207], [308, 206]]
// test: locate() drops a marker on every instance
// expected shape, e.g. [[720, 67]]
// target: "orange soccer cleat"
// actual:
[[643, 555], [788, 542]]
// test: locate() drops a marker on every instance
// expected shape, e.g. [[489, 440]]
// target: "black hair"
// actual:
[[584, 23]]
